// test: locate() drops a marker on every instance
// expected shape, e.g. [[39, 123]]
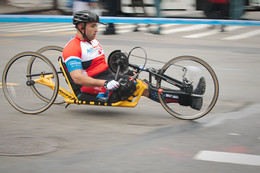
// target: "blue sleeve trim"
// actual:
[[73, 64]]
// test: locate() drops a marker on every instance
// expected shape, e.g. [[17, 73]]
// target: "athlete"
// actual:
[[85, 61], [84, 56]]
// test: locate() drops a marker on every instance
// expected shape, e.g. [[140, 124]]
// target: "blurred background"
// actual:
[[146, 138], [168, 8]]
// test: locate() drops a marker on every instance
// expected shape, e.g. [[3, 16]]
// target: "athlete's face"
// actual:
[[91, 30]]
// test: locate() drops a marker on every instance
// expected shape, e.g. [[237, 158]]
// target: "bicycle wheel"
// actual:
[[53, 53], [18, 83], [189, 69]]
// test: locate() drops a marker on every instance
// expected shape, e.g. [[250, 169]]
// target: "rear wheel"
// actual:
[[20, 80], [53, 53], [189, 70]]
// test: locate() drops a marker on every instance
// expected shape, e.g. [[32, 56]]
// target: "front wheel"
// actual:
[[189, 70]]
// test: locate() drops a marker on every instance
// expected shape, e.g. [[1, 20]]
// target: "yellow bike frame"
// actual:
[[71, 98]]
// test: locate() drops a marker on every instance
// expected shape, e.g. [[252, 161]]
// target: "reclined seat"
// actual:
[[122, 93], [75, 88]]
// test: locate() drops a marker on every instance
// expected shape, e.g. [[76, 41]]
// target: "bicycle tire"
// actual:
[[194, 65], [16, 79], [47, 48], [47, 51]]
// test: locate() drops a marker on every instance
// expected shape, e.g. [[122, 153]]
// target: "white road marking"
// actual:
[[224, 157], [4, 25], [46, 28], [212, 32], [234, 134], [184, 29], [58, 30], [126, 28], [232, 28], [17, 25], [124, 31], [203, 34], [28, 26], [243, 36]]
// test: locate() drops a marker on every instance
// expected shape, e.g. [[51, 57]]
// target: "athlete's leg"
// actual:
[[184, 100]]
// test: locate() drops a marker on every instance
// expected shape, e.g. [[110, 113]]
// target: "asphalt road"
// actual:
[[145, 138]]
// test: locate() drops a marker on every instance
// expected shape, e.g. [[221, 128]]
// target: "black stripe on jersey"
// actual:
[[86, 64]]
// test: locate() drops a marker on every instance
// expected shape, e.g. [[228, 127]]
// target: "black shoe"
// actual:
[[222, 28], [201, 87], [136, 29], [109, 32], [196, 103], [212, 27], [157, 32]]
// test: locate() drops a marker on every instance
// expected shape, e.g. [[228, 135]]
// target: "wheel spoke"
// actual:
[[26, 95], [53, 53], [195, 68]]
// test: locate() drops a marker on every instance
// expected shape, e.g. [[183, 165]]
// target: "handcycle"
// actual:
[[30, 82]]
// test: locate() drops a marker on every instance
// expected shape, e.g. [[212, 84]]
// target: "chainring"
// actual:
[[118, 59]]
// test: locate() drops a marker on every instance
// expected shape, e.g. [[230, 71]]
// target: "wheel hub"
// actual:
[[30, 82]]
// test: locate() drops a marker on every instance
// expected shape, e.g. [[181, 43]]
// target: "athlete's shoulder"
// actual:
[[73, 43], [72, 48]]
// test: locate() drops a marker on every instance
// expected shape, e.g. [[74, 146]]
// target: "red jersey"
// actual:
[[88, 56]]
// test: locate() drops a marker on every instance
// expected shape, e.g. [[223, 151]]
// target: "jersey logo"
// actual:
[[89, 50]]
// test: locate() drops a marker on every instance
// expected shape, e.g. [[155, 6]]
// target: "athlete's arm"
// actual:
[[74, 67], [79, 78]]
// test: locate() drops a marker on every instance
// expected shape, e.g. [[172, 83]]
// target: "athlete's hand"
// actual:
[[111, 85]]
